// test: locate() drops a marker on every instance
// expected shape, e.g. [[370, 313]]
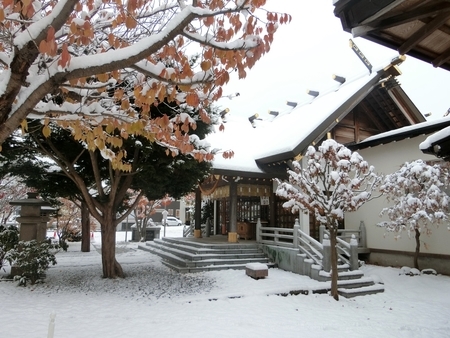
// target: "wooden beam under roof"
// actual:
[[423, 32], [396, 20], [441, 59], [370, 112], [400, 25], [382, 12]]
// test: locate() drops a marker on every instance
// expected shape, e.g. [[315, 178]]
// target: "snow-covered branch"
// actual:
[[95, 59]]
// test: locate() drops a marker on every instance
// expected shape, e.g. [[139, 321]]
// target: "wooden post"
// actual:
[[362, 234], [295, 234], [198, 214], [232, 231], [258, 231], [208, 228], [321, 232], [354, 264], [51, 326], [273, 212], [326, 260]]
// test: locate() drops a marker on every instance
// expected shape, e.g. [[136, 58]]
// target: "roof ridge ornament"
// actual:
[[312, 92], [361, 55], [338, 78]]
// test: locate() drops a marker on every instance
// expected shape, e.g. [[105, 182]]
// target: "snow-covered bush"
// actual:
[[9, 238], [32, 259]]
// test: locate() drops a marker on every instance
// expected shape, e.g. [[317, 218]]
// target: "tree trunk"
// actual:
[[416, 253], [111, 268], [141, 230], [334, 265], [85, 229]]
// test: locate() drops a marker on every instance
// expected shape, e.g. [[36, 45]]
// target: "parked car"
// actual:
[[173, 221]]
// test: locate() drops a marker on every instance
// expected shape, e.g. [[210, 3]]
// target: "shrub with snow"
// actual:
[[32, 259]]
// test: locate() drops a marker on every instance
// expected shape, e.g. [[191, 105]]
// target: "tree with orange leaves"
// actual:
[[143, 211], [71, 61], [105, 70]]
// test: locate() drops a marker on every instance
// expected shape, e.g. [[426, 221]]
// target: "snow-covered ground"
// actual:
[[154, 301]]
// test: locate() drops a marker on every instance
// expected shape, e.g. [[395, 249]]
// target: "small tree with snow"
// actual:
[[418, 200], [142, 214], [333, 181]]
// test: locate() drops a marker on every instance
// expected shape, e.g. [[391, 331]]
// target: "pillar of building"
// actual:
[[232, 231], [198, 214], [303, 218]]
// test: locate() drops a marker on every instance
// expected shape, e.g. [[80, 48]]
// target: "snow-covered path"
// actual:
[[154, 301]]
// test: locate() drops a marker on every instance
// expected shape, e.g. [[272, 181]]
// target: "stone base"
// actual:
[[256, 270], [401, 258], [233, 237], [197, 233]]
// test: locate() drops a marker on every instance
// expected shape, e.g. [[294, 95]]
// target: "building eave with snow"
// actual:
[[350, 111]]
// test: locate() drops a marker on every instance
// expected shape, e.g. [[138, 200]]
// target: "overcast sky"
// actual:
[[305, 54]]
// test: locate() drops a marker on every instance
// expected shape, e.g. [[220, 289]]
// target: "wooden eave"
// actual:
[[245, 174], [427, 129], [420, 28], [406, 106], [440, 149]]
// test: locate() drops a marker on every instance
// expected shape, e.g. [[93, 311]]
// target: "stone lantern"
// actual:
[[32, 224]]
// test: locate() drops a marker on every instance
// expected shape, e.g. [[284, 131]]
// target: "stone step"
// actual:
[[342, 275], [206, 246], [186, 247], [209, 268], [164, 255], [355, 283], [361, 291], [198, 256], [188, 257], [187, 260]]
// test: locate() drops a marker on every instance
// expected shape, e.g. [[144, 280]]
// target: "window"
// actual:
[[248, 209]]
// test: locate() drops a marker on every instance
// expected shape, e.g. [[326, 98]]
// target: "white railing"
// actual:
[[309, 246], [188, 230], [278, 236], [348, 234], [347, 249], [343, 248], [290, 238]]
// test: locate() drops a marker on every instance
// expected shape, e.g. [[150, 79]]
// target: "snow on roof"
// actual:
[[289, 130], [413, 129], [282, 133], [434, 138]]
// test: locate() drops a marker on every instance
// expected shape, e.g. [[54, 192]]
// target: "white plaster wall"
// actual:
[[387, 159]]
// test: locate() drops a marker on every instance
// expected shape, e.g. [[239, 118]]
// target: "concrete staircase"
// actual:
[[186, 256], [352, 283]]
